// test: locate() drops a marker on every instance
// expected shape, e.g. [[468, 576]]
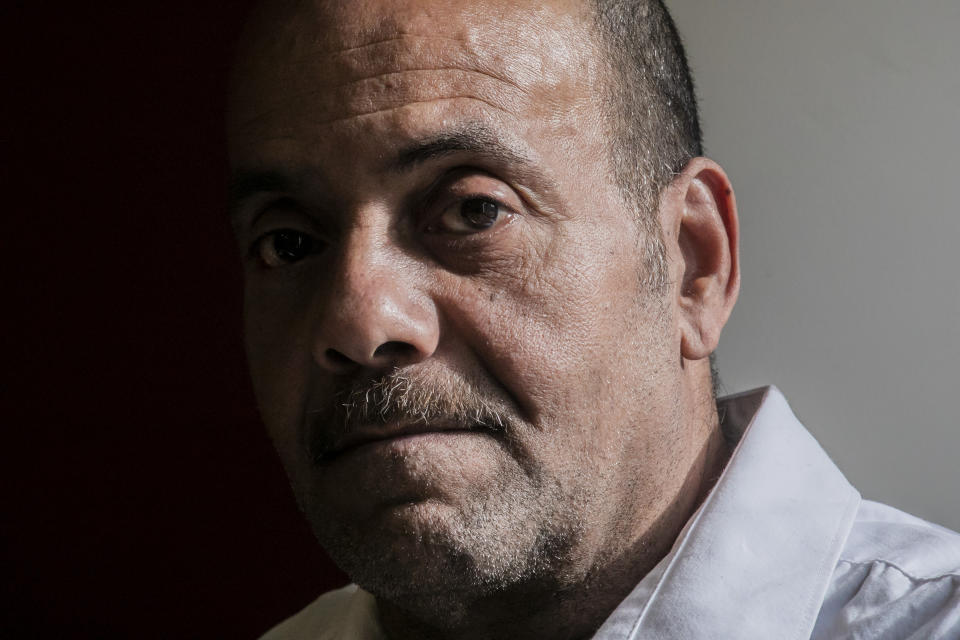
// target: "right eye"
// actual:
[[285, 246], [471, 215]]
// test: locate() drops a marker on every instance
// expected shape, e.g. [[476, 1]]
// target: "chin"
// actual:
[[436, 559]]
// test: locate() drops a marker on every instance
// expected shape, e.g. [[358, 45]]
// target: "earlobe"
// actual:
[[706, 235]]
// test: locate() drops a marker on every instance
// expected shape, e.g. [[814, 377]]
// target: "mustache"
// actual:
[[406, 397]]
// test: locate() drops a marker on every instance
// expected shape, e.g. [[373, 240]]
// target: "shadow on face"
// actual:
[[422, 192]]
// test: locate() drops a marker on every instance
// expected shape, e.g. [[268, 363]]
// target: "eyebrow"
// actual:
[[245, 184], [474, 138], [482, 141]]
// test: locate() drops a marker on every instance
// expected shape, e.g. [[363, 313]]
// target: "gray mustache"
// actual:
[[401, 397]]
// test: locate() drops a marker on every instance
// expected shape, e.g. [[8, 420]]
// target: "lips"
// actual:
[[365, 435]]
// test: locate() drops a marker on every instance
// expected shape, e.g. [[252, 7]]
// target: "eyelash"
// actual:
[[316, 246], [506, 211]]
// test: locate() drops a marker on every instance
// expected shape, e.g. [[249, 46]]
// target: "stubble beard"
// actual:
[[514, 534], [510, 540]]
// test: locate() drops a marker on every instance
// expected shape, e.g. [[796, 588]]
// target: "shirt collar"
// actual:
[[755, 560]]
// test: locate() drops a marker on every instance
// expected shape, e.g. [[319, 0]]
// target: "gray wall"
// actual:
[[839, 124]]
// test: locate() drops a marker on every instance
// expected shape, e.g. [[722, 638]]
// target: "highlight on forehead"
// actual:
[[300, 72], [507, 39]]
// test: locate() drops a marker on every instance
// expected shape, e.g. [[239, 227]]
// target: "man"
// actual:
[[485, 269]]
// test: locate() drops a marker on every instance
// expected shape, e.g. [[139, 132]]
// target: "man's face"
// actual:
[[449, 340]]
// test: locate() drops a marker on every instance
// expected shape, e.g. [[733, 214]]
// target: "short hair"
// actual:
[[651, 108]]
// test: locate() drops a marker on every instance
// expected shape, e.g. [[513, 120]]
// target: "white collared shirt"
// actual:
[[782, 548]]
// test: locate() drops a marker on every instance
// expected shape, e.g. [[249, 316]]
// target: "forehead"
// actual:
[[375, 69]]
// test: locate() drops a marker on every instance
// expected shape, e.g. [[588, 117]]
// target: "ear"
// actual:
[[699, 217]]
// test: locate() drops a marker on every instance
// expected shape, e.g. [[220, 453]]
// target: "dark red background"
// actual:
[[140, 497]]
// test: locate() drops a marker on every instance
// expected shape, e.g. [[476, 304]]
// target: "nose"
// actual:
[[375, 313]]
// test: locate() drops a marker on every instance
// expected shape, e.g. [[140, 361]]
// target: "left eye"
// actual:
[[285, 246], [471, 215]]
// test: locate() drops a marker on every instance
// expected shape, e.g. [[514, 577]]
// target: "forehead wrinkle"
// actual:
[[412, 52], [406, 104], [527, 54], [388, 91], [514, 48], [295, 135], [402, 37], [386, 74], [397, 88], [394, 57]]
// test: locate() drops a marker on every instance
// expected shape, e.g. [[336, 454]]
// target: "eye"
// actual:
[[470, 215], [285, 246]]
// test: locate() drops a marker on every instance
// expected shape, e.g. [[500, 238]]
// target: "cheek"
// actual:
[[566, 331], [279, 357]]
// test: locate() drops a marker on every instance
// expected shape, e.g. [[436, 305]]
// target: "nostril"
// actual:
[[393, 353], [394, 349], [338, 358]]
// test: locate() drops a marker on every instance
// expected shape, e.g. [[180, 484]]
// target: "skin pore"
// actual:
[[488, 419]]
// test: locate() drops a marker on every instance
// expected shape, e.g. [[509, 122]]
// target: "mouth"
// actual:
[[366, 436]]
